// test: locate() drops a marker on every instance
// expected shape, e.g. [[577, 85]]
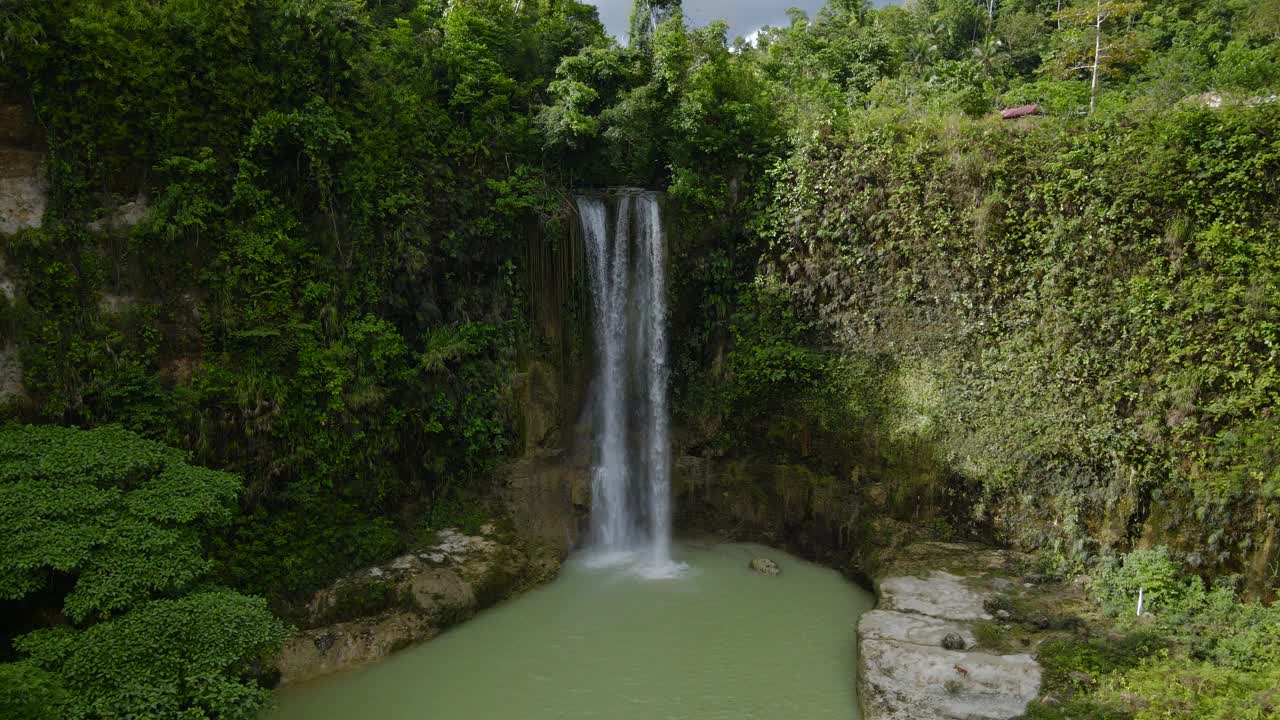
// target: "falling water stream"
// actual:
[[631, 476]]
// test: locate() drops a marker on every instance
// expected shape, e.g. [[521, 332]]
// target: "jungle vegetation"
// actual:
[[1073, 317]]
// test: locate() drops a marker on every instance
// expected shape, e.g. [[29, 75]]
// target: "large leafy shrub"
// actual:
[[103, 533], [125, 517], [183, 658], [1153, 573]]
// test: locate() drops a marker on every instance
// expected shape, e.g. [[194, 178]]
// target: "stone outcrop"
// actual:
[[367, 615], [122, 218], [940, 595], [911, 665], [23, 190]]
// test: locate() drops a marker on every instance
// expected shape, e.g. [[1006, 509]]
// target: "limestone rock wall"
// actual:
[[10, 372], [23, 197], [840, 523], [546, 490], [548, 500], [23, 190], [10, 359]]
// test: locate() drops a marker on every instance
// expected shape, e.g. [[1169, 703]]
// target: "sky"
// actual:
[[744, 16]]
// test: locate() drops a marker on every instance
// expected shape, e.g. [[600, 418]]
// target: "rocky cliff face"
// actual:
[[23, 196], [844, 524], [10, 361], [548, 500], [23, 191], [10, 372]]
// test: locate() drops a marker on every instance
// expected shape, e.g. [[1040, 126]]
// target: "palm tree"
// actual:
[[921, 51], [986, 52]]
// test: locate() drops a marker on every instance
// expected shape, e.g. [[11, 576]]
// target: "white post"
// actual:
[[1140, 601], [1097, 53]]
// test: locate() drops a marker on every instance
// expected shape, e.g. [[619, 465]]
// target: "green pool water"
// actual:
[[717, 642]]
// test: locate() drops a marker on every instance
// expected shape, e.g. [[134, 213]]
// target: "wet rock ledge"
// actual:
[[943, 642], [371, 613]]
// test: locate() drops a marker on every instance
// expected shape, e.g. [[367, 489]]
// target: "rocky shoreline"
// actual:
[[920, 656], [953, 636], [371, 613], [956, 631]]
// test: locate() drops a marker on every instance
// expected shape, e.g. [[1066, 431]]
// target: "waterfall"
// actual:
[[631, 472]]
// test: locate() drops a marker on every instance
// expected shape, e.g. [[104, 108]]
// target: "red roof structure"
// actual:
[[1020, 112]]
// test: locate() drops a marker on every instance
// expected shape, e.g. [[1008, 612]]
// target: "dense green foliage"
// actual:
[[1073, 315], [182, 658], [321, 294], [1097, 307], [121, 515], [1070, 321], [1196, 652], [679, 110], [103, 538]]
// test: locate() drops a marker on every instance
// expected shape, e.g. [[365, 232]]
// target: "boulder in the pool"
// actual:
[[764, 566]]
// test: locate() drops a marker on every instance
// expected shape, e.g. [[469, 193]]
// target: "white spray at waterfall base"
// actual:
[[631, 472]]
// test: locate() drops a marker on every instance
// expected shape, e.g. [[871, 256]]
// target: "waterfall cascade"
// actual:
[[631, 473]]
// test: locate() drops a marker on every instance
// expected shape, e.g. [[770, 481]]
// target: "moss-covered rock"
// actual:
[[372, 613]]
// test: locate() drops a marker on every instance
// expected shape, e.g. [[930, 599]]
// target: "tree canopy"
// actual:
[[115, 525], [122, 516]]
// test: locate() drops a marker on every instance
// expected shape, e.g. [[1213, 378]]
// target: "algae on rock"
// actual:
[[372, 613]]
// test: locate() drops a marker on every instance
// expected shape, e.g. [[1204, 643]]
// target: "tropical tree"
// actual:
[[1091, 51], [987, 52], [103, 533], [921, 51], [646, 16]]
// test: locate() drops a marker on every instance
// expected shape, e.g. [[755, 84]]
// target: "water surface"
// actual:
[[718, 642]]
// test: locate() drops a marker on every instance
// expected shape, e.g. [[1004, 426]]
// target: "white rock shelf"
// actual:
[[905, 673]]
